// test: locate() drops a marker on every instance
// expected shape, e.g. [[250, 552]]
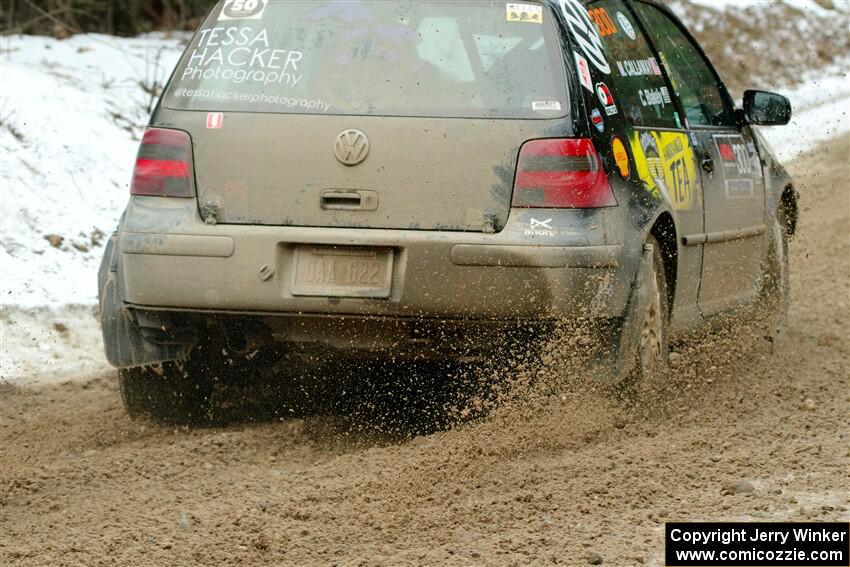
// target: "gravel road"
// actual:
[[569, 476]]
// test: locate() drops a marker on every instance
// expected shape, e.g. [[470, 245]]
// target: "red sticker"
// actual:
[[583, 72], [726, 152], [215, 120], [604, 94]]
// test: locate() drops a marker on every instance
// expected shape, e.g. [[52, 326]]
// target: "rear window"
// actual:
[[460, 59]]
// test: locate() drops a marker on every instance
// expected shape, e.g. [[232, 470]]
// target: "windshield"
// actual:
[[457, 59]]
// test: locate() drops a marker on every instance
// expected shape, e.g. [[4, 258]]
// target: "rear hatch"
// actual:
[[370, 114]]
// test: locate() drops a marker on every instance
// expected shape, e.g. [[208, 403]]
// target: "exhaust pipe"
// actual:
[[245, 341]]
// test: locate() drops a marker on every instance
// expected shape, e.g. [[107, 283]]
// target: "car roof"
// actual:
[[654, 2], [658, 4]]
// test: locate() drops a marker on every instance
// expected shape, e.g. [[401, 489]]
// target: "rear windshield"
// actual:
[[435, 58]]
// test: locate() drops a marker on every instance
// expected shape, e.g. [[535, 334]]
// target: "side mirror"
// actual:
[[766, 109]]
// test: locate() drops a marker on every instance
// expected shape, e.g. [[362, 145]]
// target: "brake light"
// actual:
[[561, 173], [163, 165]]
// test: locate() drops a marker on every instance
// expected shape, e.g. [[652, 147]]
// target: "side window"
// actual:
[[692, 78], [640, 89]]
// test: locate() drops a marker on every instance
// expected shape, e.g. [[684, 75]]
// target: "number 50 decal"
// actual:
[[243, 9]]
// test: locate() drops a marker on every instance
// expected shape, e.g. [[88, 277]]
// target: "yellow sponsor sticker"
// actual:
[[621, 156], [665, 163]]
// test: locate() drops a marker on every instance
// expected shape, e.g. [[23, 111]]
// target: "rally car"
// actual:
[[408, 180]]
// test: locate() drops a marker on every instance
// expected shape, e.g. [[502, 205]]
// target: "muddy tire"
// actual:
[[774, 284], [169, 393], [651, 356]]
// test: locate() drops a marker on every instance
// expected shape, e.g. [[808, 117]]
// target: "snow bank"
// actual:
[[72, 112], [820, 110], [50, 344], [803, 5]]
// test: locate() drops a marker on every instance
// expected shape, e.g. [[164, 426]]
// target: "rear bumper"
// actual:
[[577, 266]]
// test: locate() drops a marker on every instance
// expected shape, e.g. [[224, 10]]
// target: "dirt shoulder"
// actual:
[[742, 434]]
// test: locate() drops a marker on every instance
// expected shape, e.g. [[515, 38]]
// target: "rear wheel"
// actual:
[[170, 392], [652, 348]]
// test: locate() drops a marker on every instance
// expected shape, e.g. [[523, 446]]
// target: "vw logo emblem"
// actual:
[[351, 147]]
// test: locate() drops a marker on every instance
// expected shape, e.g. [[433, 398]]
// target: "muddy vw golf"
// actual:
[[410, 180]]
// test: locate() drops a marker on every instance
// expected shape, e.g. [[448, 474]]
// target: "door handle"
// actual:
[[707, 163]]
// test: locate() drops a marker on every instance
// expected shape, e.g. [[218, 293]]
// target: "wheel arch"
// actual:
[[124, 342], [788, 203], [664, 231]]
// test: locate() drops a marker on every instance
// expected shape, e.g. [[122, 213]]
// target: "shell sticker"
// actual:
[[621, 156]]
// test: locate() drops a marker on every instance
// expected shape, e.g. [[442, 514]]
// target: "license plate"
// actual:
[[342, 271]]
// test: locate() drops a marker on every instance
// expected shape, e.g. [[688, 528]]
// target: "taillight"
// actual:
[[163, 166], [561, 173]]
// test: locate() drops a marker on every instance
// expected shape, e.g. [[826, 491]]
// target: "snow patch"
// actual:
[[50, 344], [72, 112], [820, 111], [802, 5]]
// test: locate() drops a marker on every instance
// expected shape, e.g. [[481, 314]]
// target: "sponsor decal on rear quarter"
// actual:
[[598, 121], [605, 97], [583, 71], [651, 162], [665, 163], [626, 25], [584, 34], [604, 23], [621, 156]]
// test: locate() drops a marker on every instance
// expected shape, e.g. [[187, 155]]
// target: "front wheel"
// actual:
[[774, 283]]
